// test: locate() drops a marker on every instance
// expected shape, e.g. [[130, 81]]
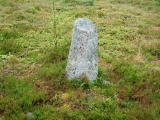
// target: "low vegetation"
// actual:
[[33, 84]]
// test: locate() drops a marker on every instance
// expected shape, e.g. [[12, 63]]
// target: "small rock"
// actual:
[[30, 115], [65, 96], [106, 82]]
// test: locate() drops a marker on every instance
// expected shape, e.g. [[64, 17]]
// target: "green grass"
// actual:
[[32, 75]]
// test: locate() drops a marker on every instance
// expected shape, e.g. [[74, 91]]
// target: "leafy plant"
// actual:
[[1, 37]]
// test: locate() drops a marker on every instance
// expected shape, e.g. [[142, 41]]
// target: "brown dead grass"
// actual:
[[157, 29]]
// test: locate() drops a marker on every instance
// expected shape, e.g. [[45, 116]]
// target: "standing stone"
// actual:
[[83, 58]]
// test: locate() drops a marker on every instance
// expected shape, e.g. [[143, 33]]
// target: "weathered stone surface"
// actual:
[[83, 58]]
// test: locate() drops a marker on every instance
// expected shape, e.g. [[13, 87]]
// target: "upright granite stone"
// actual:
[[83, 57]]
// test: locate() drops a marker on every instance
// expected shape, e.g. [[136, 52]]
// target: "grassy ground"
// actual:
[[32, 76]]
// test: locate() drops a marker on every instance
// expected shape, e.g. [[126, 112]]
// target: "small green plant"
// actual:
[[56, 55], [39, 8], [32, 10], [85, 83], [1, 37], [88, 2], [158, 2], [130, 72], [81, 2], [9, 34], [20, 16], [55, 22], [101, 78], [9, 46]]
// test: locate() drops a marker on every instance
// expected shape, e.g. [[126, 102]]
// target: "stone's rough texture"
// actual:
[[83, 58]]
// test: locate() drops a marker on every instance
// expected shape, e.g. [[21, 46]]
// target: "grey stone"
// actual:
[[106, 82], [83, 57], [29, 115]]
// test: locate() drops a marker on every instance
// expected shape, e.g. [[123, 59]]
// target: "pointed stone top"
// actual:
[[84, 24]]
